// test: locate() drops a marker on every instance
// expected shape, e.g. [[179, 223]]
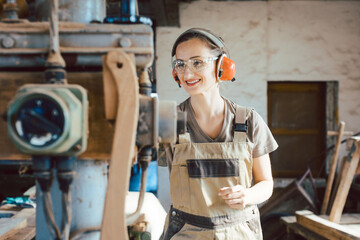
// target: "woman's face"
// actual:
[[196, 82]]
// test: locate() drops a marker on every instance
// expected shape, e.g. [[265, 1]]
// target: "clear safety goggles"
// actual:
[[194, 64]]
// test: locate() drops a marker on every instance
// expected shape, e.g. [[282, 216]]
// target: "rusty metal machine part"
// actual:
[[25, 46], [81, 45]]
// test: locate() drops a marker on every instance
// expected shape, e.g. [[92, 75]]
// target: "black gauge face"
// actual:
[[39, 121]]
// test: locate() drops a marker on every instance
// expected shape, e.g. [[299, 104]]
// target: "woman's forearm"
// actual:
[[260, 192]]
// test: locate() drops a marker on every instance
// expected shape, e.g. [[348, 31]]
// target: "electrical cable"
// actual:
[[65, 176], [134, 216], [67, 215], [49, 215], [42, 166], [145, 157]]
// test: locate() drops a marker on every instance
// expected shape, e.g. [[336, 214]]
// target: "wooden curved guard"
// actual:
[[119, 67]]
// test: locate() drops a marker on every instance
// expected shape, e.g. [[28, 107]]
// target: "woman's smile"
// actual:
[[192, 82]]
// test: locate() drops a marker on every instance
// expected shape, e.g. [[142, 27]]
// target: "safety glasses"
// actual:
[[194, 64]]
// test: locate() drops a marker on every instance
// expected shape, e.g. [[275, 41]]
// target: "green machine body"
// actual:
[[49, 119]]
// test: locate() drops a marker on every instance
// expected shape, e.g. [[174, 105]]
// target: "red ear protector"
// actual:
[[226, 69], [176, 77]]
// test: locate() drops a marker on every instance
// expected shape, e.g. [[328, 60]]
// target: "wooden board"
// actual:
[[325, 228], [20, 226], [100, 130], [348, 219], [333, 167], [347, 174], [9, 225], [293, 227], [26, 233], [10, 207], [29, 214]]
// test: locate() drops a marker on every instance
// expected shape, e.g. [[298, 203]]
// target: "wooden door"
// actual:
[[297, 118]]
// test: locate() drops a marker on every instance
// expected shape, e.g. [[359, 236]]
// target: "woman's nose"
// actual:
[[188, 71]]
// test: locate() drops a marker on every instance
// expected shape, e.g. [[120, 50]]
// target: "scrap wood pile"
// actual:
[[326, 221], [17, 223], [337, 225]]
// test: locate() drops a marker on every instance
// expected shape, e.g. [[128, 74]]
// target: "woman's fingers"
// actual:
[[228, 190], [234, 196], [236, 191]]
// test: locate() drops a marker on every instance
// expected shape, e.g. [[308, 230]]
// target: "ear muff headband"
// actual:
[[213, 37], [226, 68]]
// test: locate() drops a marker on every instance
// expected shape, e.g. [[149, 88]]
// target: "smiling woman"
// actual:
[[197, 76], [220, 168]]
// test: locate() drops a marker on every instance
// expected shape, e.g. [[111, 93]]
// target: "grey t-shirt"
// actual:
[[259, 136]]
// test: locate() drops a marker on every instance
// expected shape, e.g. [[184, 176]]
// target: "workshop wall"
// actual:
[[272, 41]]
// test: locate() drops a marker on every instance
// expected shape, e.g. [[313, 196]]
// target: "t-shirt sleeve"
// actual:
[[165, 155], [162, 156], [262, 138]]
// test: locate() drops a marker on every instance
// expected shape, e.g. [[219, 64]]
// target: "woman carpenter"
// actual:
[[220, 168]]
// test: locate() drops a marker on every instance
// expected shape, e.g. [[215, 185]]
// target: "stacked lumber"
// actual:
[[17, 223]]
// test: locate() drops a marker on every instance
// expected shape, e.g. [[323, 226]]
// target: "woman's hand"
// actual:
[[235, 197], [239, 197]]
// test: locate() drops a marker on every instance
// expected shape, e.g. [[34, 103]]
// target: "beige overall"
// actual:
[[199, 170]]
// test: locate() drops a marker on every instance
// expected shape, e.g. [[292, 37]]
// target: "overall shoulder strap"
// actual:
[[241, 124], [184, 138], [183, 107]]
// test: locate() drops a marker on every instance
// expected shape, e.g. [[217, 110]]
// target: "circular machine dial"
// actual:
[[39, 121]]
